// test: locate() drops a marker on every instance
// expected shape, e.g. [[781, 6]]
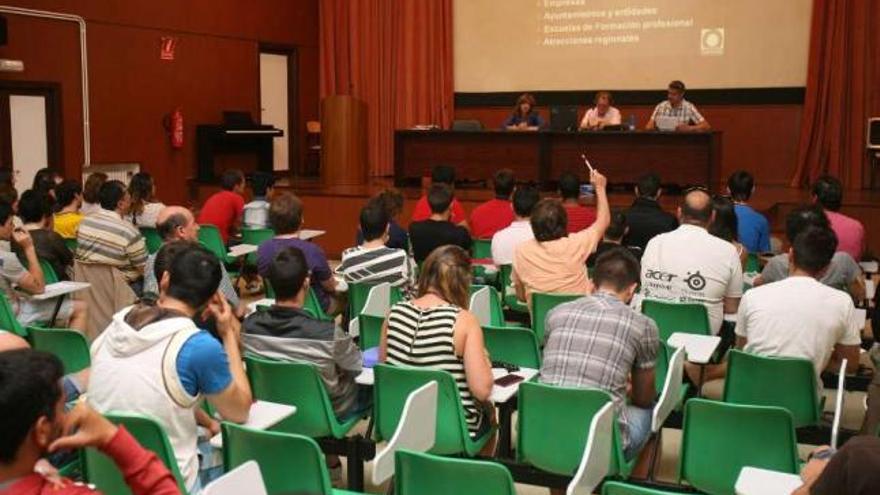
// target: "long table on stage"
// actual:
[[681, 158]]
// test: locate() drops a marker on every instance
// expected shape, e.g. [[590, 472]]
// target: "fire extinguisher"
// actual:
[[173, 124]]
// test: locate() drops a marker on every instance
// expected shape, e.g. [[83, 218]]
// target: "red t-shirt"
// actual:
[[490, 217], [423, 210], [579, 217], [222, 210]]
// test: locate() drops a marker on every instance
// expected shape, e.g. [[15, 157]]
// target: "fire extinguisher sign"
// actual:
[[166, 51]]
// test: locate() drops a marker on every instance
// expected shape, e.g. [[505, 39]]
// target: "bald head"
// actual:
[[10, 342], [696, 208], [176, 223]]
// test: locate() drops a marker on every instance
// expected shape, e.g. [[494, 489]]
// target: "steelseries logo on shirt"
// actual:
[[660, 280]]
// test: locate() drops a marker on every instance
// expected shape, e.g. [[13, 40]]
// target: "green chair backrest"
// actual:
[[541, 305], [289, 463], [619, 488], [255, 237], [719, 439], [8, 321], [789, 383], [300, 385], [481, 249], [553, 425], [677, 317], [425, 474], [370, 331], [71, 244], [508, 293], [152, 239], [313, 305], [49, 275], [70, 346], [209, 236], [753, 263], [101, 471], [357, 297], [512, 345], [393, 384], [496, 310], [661, 366]]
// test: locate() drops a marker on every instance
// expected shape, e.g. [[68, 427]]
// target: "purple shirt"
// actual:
[[315, 259]]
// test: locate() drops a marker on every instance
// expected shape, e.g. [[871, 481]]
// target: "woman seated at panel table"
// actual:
[[524, 116], [601, 115]]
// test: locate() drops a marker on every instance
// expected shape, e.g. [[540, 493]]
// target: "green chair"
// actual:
[[49, 275], [661, 367], [676, 317], [512, 345], [289, 463], [619, 488], [70, 346], [357, 297], [209, 236], [541, 305], [370, 328], [486, 306], [393, 384], [426, 474], [508, 293], [753, 263], [300, 385], [552, 428], [719, 439], [151, 238], [789, 383], [71, 244], [255, 237], [481, 249], [101, 471], [313, 305], [8, 321]]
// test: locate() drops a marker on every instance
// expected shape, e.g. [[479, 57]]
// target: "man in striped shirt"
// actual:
[[676, 107], [106, 238], [372, 262]]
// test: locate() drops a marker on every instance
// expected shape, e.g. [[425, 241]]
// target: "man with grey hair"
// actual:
[[176, 223]]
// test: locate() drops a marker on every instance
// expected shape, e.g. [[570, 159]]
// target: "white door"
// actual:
[[30, 144], [274, 101]]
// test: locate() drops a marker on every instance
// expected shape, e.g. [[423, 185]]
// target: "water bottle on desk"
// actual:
[[631, 123]]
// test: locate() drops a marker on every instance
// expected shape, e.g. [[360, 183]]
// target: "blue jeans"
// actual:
[[639, 429]]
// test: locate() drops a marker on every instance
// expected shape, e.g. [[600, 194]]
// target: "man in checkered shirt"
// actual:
[[683, 111], [599, 342]]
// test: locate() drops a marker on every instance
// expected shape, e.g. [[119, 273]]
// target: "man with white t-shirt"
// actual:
[[799, 316], [690, 265], [506, 240]]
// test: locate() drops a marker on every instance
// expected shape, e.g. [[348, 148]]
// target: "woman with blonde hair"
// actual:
[[434, 331]]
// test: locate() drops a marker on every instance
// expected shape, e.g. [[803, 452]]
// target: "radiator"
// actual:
[[115, 171]]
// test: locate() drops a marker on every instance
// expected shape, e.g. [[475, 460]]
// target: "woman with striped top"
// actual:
[[433, 331]]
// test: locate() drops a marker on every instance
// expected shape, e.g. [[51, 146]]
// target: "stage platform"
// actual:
[[336, 208]]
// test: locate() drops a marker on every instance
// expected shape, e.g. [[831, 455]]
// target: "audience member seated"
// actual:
[[285, 332], [35, 424], [646, 218], [554, 261], [599, 342], [91, 203], [613, 238], [725, 225], [753, 229], [18, 281], [579, 216], [435, 331], [798, 317], [144, 206], [495, 214], [256, 213], [505, 241], [373, 262], [106, 238], [440, 175], [33, 208], [131, 359], [224, 209], [853, 470], [392, 201], [45, 182], [828, 193], [842, 273], [9, 195], [69, 200], [438, 229], [286, 218], [73, 384], [691, 265], [176, 223]]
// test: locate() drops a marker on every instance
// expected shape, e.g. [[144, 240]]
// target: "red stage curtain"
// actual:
[[396, 56], [832, 138]]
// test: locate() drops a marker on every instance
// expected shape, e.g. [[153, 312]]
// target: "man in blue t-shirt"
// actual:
[[152, 359], [752, 227]]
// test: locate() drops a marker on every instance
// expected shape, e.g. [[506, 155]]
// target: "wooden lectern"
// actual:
[[343, 141]]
